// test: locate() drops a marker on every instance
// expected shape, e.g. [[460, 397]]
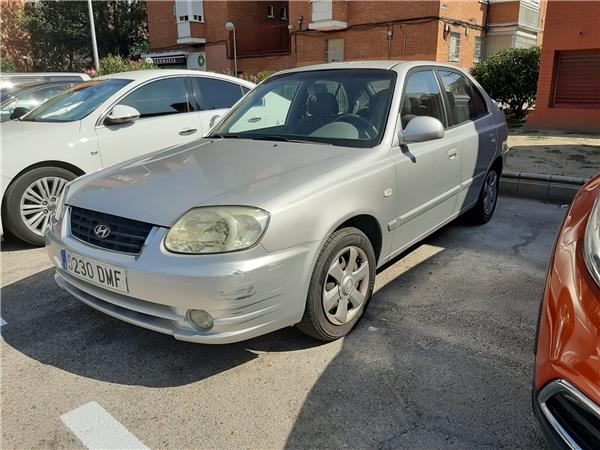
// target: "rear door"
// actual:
[[167, 118], [214, 97], [427, 172], [473, 129]]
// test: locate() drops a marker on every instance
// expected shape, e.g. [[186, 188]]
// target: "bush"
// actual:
[[510, 77], [116, 64]]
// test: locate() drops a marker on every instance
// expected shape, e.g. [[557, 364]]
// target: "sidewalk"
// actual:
[[553, 153], [549, 165]]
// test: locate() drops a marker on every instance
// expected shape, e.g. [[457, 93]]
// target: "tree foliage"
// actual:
[[510, 77], [116, 64], [60, 31]]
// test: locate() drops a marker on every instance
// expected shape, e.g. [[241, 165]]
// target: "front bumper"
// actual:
[[248, 293], [568, 418]]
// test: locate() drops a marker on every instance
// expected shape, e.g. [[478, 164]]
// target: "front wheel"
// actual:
[[30, 201], [341, 285], [488, 197]]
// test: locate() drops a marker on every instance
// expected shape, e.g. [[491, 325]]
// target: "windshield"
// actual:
[[75, 103], [347, 107]]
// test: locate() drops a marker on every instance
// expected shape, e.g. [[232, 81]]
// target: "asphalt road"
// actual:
[[442, 358]]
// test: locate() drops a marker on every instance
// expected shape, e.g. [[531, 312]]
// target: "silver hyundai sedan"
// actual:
[[281, 215]]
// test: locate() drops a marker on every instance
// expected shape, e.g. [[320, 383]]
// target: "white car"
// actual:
[[97, 124], [12, 79]]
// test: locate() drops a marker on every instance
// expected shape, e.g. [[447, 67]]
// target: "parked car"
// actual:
[[566, 397], [9, 80], [97, 124], [281, 216], [20, 99]]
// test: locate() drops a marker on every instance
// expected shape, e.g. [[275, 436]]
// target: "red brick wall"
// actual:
[[569, 26], [504, 12]]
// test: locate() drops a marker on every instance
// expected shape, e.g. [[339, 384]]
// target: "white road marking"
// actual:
[[97, 429], [2, 322]]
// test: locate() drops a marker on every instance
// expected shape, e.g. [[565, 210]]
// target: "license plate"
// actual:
[[105, 275]]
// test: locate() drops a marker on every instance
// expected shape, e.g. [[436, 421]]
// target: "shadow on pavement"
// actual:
[[443, 357], [12, 244], [48, 325]]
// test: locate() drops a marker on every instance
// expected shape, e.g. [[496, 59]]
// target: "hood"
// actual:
[[160, 187], [21, 131]]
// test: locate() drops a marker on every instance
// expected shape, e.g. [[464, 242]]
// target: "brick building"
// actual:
[[276, 35], [568, 88]]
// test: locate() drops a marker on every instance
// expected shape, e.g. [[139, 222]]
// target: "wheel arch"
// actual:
[[52, 163], [369, 225]]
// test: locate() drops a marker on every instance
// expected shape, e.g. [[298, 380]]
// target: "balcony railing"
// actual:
[[260, 40]]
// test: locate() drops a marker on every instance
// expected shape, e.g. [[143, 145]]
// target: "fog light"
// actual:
[[201, 319]]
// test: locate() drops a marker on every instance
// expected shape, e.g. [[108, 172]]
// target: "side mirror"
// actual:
[[121, 114], [19, 111], [421, 129], [214, 120]]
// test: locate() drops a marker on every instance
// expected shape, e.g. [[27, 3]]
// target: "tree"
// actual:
[[15, 48], [510, 77], [60, 31]]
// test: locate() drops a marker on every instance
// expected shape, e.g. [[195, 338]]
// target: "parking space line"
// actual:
[[2, 322], [97, 429]]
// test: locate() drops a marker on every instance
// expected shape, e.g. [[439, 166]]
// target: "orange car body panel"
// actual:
[[568, 344]]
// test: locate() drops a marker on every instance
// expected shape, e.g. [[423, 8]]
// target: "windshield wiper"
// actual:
[[272, 137], [225, 136]]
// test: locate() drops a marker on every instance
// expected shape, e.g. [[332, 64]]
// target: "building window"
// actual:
[[454, 47], [335, 50], [270, 12], [575, 79], [283, 13], [477, 51], [322, 10], [186, 9]]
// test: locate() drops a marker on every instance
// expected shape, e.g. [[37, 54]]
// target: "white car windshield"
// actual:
[[347, 107], [75, 103]]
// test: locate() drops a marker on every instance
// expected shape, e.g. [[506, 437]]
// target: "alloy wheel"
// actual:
[[39, 201], [346, 285], [490, 192]]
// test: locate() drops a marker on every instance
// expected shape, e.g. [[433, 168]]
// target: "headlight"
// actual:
[[217, 229], [591, 242]]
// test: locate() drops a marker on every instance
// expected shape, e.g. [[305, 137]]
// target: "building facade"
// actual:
[[277, 35], [568, 94]]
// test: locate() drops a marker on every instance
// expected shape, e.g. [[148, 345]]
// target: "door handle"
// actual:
[[492, 138], [187, 131], [452, 154]]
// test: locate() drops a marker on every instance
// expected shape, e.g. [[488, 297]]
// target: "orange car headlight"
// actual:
[[591, 246]]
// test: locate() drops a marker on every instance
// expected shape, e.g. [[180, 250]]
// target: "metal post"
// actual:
[[234, 55], [93, 31]]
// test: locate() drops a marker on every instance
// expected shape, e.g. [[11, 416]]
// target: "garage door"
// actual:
[[576, 79]]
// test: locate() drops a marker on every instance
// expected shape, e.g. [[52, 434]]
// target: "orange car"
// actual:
[[566, 395]]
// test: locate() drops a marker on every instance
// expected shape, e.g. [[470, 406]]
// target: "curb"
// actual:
[[554, 188]]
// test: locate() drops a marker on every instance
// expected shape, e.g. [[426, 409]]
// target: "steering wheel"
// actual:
[[363, 125]]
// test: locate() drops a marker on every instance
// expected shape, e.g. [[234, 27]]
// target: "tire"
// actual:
[[52, 181], [354, 291], [484, 209]]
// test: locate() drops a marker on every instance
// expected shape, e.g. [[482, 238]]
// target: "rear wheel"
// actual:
[[30, 201], [341, 285], [488, 197]]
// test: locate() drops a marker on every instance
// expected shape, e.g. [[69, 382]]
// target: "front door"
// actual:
[[427, 172], [167, 118]]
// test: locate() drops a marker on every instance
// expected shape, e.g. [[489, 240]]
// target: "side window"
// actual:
[[465, 102], [159, 98], [422, 97], [216, 94]]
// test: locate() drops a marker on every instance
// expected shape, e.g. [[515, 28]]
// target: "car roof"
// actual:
[[376, 64], [5, 75], [35, 84], [145, 75]]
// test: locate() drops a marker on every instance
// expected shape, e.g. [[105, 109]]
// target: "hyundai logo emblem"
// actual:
[[102, 231]]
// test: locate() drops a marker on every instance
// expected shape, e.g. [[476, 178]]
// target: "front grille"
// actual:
[[126, 235], [576, 419]]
